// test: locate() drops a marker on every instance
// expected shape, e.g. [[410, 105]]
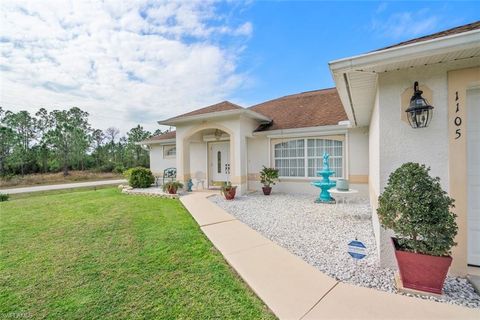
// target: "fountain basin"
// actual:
[[325, 184]]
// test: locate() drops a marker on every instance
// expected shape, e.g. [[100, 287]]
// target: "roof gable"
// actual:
[[222, 106], [161, 137]]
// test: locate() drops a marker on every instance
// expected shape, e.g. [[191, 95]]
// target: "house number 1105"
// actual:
[[457, 121]]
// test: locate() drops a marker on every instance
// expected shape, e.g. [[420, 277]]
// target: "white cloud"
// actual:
[[123, 62], [404, 25]]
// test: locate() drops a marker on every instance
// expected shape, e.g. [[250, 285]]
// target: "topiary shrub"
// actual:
[[139, 177], [416, 208], [4, 197]]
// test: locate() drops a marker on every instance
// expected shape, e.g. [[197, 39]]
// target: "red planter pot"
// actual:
[[230, 194], [267, 190], [172, 190], [420, 271]]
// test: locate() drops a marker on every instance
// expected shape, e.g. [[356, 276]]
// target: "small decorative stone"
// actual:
[[150, 192]]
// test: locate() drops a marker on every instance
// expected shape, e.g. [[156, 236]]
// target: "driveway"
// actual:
[[62, 186]]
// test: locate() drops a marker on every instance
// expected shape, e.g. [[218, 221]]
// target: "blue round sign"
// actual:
[[357, 250]]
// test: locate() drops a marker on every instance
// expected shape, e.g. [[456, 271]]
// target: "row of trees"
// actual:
[[63, 140]]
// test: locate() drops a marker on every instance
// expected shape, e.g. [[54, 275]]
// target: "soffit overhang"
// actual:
[[356, 77]]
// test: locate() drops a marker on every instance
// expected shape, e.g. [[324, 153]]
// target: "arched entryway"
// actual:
[[207, 155]]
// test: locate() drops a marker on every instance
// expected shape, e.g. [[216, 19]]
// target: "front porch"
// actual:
[[211, 143], [211, 155]]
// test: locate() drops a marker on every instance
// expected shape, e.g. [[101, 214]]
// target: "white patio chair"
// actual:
[[200, 179]]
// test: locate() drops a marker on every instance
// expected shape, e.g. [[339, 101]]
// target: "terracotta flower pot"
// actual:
[[230, 193], [421, 271], [267, 190], [172, 190]]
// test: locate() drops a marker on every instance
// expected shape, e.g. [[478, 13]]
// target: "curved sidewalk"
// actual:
[[292, 288]]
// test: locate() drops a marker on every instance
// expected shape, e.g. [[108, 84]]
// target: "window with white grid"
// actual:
[[290, 158], [169, 151], [304, 157], [315, 150]]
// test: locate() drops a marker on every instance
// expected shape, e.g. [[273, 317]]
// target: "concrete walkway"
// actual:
[[62, 186], [292, 288]]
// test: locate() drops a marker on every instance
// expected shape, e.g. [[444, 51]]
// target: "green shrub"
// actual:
[[416, 208], [7, 176], [268, 176], [4, 197], [54, 166], [107, 167], [140, 177], [118, 169], [127, 173]]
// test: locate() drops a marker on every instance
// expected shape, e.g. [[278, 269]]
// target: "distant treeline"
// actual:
[[63, 140]]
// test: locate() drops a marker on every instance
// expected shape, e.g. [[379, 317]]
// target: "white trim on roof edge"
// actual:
[[440, 45], [163, 141], [212, 115]]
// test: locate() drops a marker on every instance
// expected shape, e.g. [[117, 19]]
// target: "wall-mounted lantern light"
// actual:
[[218, 134], [419, 113]]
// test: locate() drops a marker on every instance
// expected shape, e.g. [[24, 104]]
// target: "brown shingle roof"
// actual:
[[163, 136], [307, 109], [461, 29], [222, 106]]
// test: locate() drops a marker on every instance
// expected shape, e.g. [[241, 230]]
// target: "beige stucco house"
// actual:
[[361, 123], [226, 142]]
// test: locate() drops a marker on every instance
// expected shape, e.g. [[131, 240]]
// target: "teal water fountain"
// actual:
[[325, 184]]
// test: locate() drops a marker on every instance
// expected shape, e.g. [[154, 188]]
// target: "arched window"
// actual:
[[315, 150], [303, 157], [290, 158]]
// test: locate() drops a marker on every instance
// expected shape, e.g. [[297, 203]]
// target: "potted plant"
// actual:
[[416, 208], [228, 190], [268, 177], [172, 186]]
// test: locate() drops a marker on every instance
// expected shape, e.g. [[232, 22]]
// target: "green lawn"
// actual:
[[104, 255]]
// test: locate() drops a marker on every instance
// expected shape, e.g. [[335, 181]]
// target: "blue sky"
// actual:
[[292, 42], [129, 62]]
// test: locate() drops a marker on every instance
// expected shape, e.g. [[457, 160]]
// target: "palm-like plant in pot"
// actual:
[[416, 208], [228, 190], [268, 177], [172, 187]]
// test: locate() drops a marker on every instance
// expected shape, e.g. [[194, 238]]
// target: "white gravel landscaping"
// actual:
[[320, 233], [150, 192]]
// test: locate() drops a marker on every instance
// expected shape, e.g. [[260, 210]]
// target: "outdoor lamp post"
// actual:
[[419, 113]]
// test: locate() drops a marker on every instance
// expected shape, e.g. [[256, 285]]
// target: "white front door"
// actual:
[[473, 175], [219, 161]]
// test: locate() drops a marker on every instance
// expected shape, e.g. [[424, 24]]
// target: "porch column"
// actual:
[[183, 158], [238, 177]]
